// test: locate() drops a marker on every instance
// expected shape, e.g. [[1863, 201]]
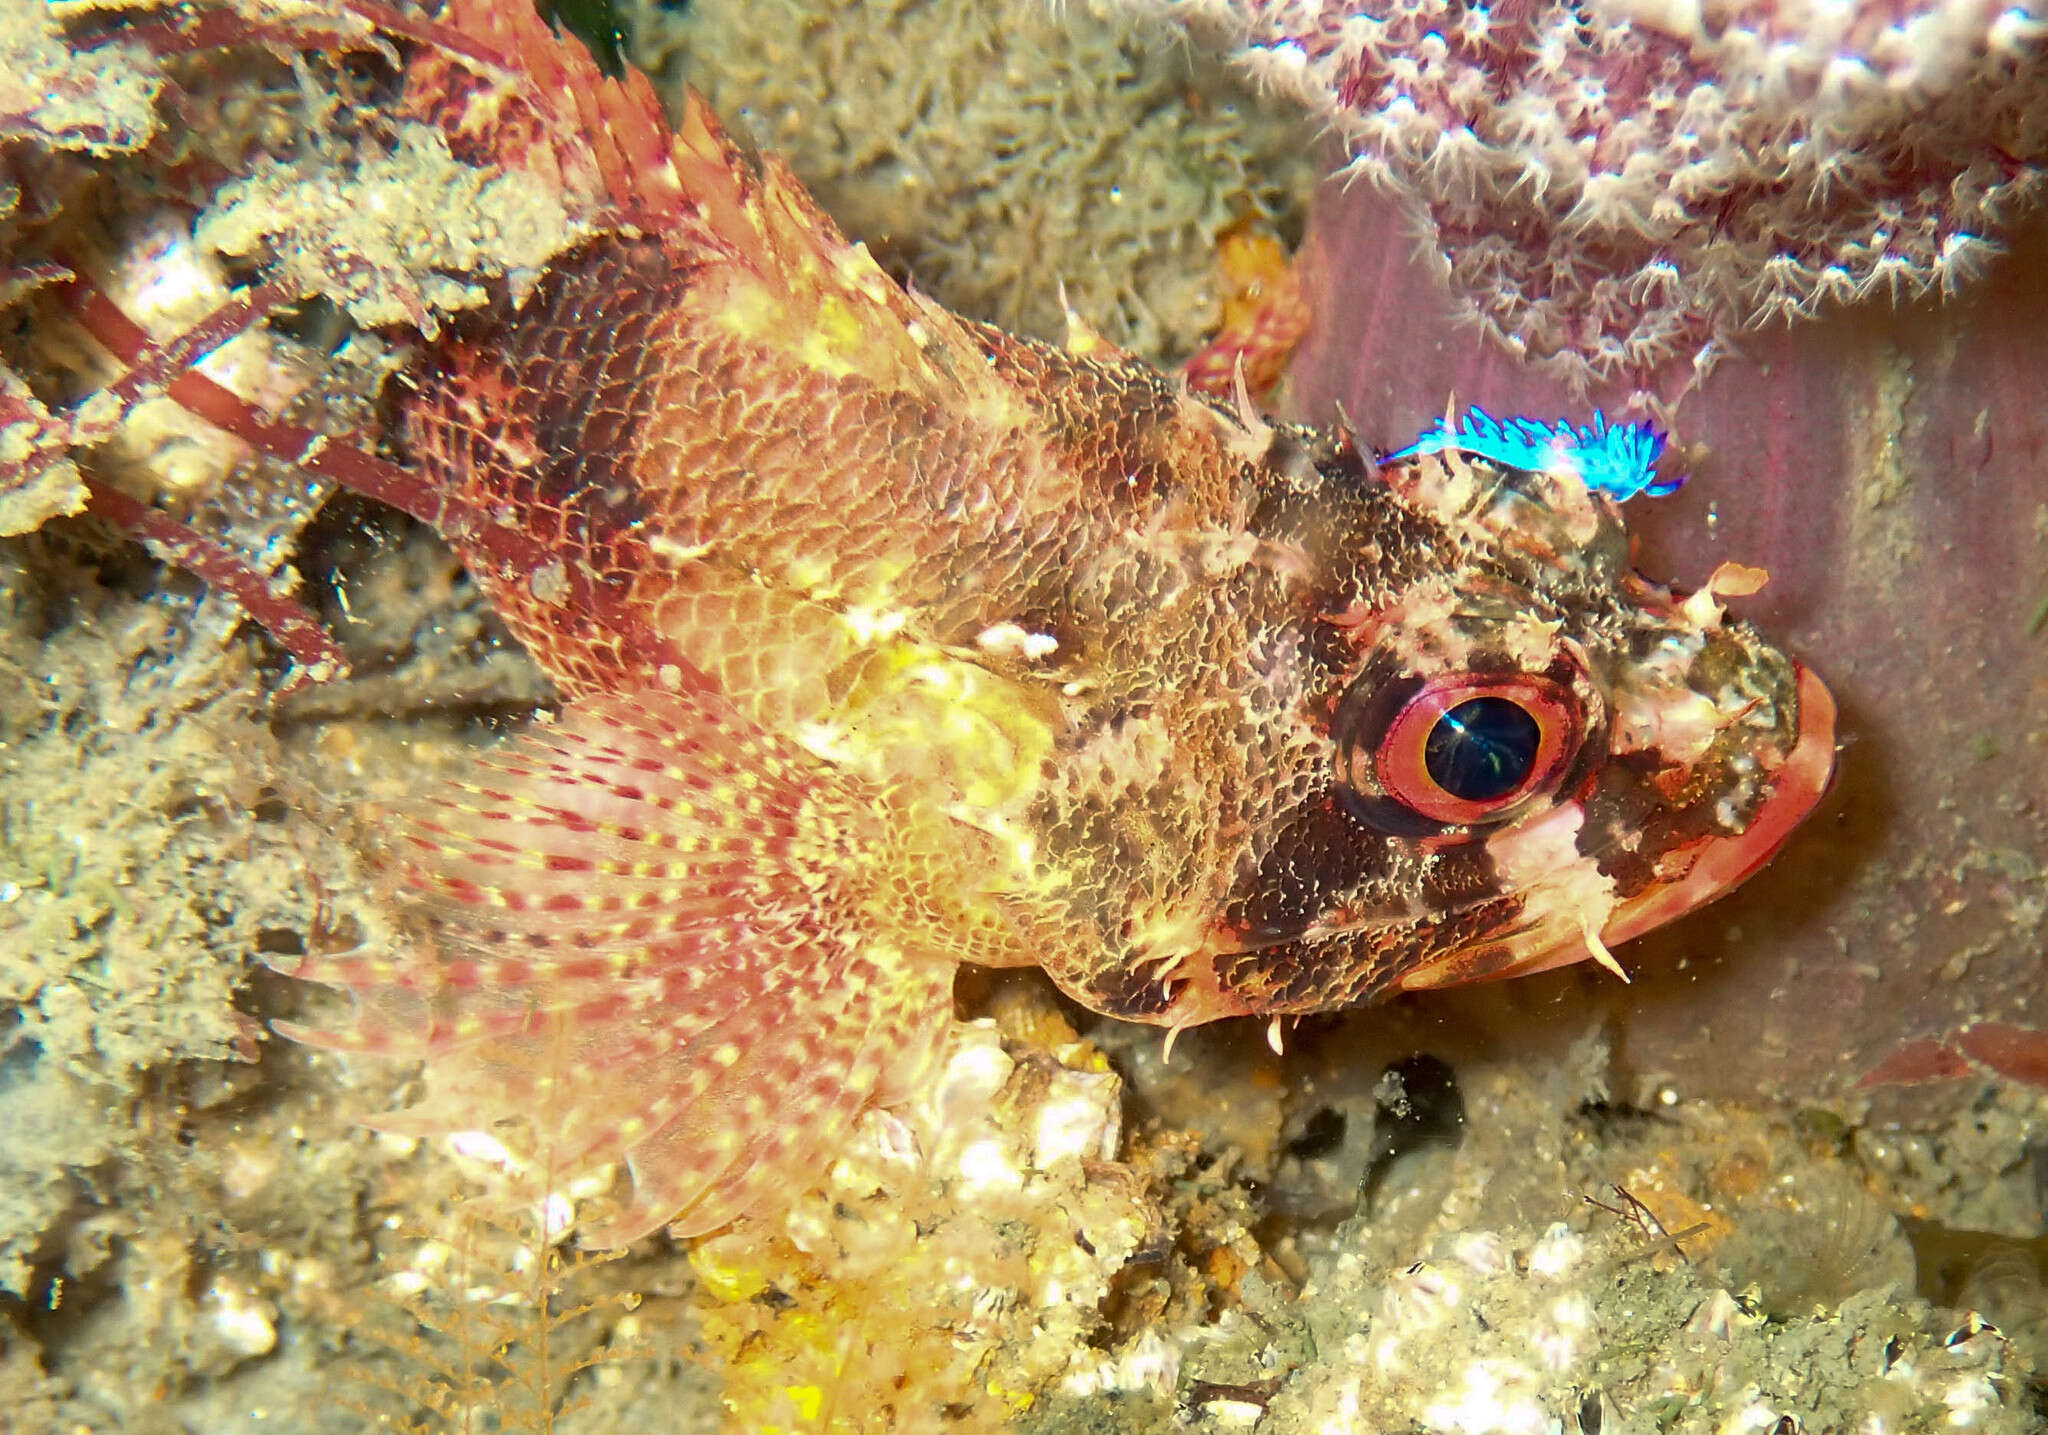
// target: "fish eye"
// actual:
[[1457, 750], [1482, 749]]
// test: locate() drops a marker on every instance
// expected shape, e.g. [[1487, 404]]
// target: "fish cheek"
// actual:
[[1368, 963], [1633, 821], [1337, 912], [1646, 817], [1319, 857], [1296, 978], [1619, 810]]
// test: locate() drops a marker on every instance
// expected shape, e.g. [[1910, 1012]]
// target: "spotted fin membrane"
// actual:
[[659, 933]]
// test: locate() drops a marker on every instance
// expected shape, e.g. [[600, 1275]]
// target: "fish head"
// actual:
[[1506, 750]]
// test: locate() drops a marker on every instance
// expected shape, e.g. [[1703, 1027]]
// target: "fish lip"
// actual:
[[1724, 863]]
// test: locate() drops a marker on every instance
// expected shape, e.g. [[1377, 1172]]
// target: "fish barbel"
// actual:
[[888, 641]]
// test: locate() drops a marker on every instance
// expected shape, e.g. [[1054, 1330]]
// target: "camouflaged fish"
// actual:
[[889, 642]]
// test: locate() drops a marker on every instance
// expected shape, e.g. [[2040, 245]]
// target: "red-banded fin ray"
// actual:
[[651, 932]]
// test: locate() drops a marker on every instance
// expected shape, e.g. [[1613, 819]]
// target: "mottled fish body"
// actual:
[[888, 642]]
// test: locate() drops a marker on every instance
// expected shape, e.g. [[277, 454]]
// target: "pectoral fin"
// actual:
[[653, 932]]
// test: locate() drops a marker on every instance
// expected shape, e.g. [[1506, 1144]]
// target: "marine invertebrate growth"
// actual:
[[1619, 459], [1617, 188]]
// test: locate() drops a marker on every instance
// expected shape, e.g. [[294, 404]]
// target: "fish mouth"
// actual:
[[1720, 864]]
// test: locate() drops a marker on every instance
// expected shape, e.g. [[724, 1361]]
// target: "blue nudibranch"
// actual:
[[1616, 459]]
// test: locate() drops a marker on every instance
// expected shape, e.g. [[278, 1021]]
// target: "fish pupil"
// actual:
[[1482, 749]]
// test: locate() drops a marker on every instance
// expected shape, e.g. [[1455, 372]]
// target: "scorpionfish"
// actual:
[[888, 641]]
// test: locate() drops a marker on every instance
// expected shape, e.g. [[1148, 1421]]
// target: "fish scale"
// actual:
[[889, 642]]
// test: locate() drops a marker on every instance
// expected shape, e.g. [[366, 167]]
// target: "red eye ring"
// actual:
[[1499, 738]]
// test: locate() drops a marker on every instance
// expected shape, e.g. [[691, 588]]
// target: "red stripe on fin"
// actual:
[[710, 992], [511, 92]]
